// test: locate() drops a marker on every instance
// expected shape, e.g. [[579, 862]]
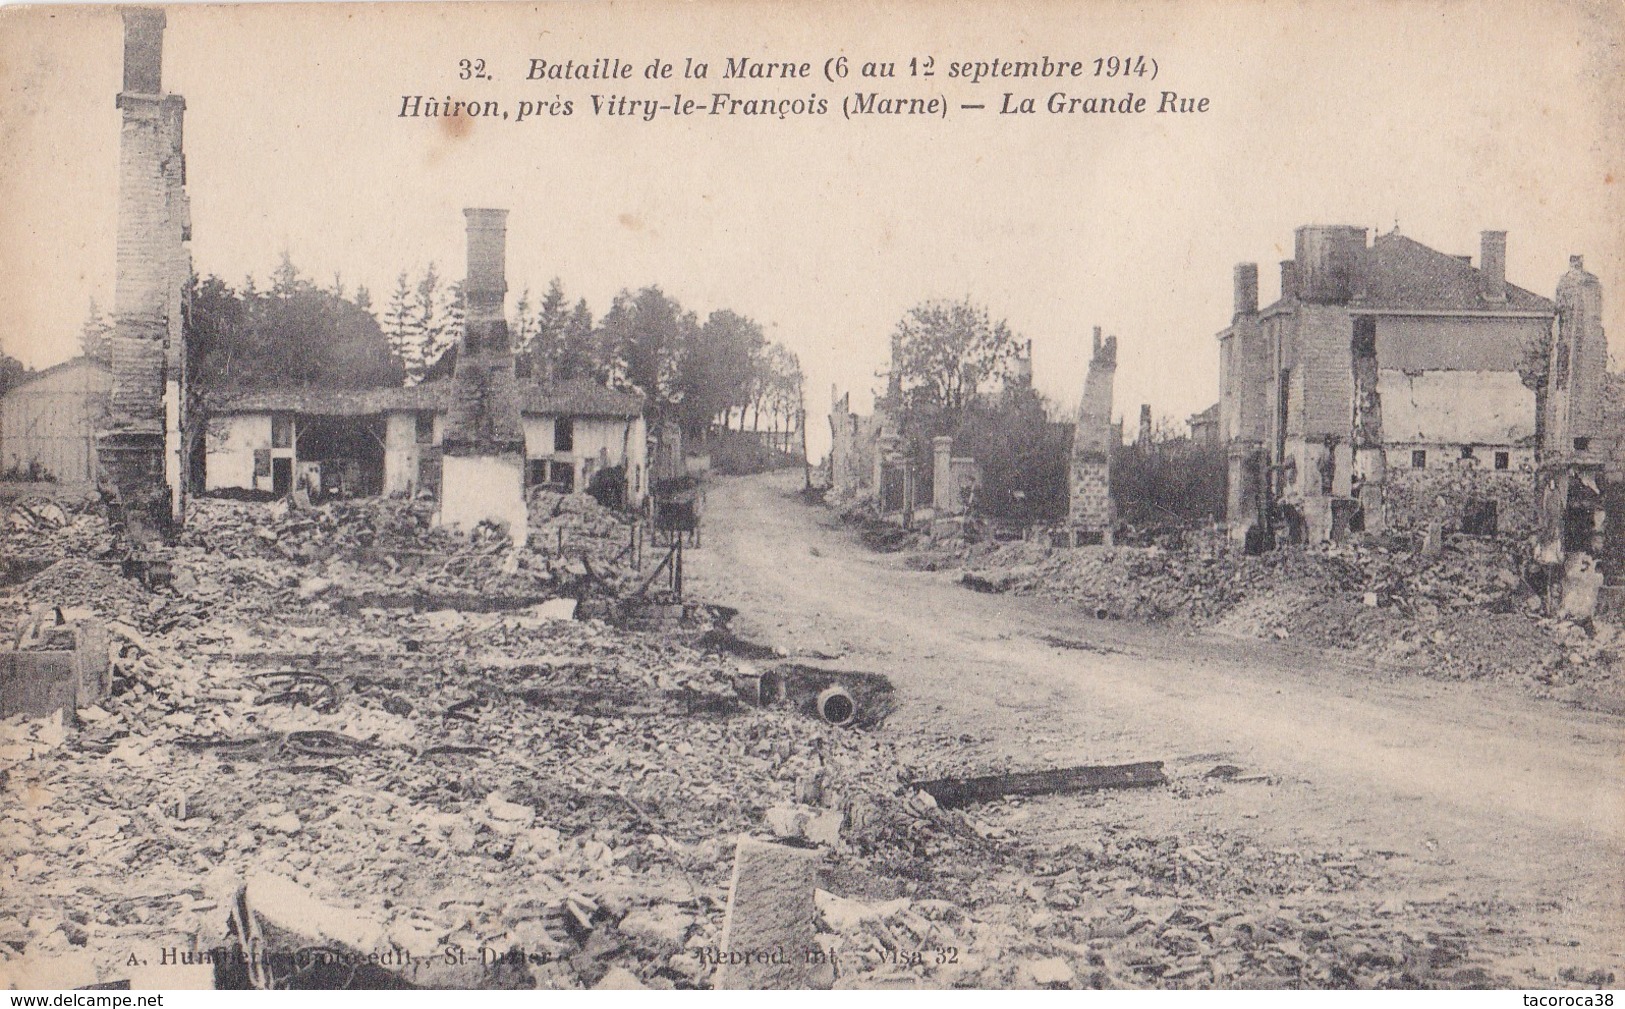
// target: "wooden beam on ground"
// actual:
[[954, 792]]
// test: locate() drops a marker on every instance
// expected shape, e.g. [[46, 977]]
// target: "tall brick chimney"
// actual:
[[485, 329], [143, 51], [141, 449], [1492, 266], [482, 470], [1246, 289], [1289, 279], [1326, 255]]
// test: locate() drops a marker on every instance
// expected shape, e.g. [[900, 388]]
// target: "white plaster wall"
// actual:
[[475, 489], [1455, 408], [538, 436], [599, 442], [230, 442], [400, 453]]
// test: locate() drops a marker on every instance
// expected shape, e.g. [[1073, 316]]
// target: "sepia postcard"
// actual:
[[742, 495]]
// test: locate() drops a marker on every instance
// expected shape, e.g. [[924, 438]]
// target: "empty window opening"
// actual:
[[564, 435], [1503, 460], [1419, 459]]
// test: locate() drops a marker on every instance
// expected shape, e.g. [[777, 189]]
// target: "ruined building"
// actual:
[[1390, 386], [1581, 489], [1090, 512], [852, 447], [483, 446], [363, 442], [141, 449]]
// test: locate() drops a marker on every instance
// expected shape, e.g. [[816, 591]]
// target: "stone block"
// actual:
[[769, 937], [56, 666]]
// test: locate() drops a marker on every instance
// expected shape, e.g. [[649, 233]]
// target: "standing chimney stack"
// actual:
[[143, 51], [483, 461], [1246, 288], [486, 286], [140, 446], [1289, 279], [1492, 266]]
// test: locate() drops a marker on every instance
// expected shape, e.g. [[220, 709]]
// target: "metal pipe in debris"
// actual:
[[836, 706]]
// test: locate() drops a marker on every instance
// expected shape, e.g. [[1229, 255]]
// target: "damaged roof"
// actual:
[[578, 397], [563, 397], [1396, 272], [333, 402]]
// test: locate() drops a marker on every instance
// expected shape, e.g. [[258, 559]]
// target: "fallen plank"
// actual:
[[954, 792]]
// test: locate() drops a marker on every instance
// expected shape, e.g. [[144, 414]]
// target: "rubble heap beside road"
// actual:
[[1469, 610]]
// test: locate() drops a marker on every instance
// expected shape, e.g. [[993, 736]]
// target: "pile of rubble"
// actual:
[[520, 801], [477, 780], [38, 531], [389, 552], [1467, 610], [514, 798]]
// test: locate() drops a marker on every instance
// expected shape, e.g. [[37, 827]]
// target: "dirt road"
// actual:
[[1472, 793]]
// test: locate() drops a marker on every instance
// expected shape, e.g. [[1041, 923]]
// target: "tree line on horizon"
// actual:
[[717, 373]]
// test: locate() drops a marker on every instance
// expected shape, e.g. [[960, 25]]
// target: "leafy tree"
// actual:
[[552, 320], [717, 370], [781, 382], [523, 331], [285, 279], [946, 356], [433, 329], [295, 334], [945, 353], [1023, 456], [12, 372], [453, 309], [645, 336]]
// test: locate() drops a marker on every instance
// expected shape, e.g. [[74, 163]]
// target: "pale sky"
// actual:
[[1449, 117]]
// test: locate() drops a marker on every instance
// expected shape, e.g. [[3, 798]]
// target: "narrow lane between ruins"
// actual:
[[1470, 790]]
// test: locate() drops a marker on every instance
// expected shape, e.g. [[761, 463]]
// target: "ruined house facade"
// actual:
[[1390, 386], [853, 445], [359, 442], [141, 448]]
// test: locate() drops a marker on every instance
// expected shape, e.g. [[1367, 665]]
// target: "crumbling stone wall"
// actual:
[[1412, 498], [1090, 505], [853, 448]]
